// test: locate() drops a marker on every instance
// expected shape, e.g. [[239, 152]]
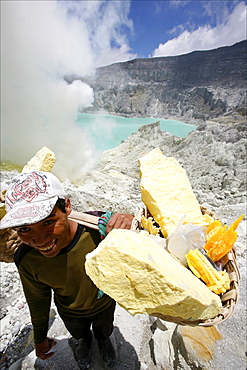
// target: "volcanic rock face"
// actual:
[[200, 85]]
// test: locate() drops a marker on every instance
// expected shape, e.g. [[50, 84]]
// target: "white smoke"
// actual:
[[42, 41]]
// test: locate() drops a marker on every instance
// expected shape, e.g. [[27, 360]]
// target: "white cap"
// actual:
[[30, 198]]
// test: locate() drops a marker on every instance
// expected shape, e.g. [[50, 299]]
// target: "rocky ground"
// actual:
[[214, 157]]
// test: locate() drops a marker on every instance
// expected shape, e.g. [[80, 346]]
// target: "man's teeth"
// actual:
[[47, 248]]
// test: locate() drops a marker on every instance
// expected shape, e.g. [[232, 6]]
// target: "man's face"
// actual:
[[50, 235]]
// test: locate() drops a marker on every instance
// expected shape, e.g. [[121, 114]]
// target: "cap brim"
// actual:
[[28, 214]]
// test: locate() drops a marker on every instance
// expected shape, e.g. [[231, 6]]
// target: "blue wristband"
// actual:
[[102, 223], [100, 294]]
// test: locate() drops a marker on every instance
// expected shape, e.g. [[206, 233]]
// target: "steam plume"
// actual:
[[42, 41]]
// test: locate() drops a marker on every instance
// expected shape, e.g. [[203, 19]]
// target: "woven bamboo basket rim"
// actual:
[[229, 299]]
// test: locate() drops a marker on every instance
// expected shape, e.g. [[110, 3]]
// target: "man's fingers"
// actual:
[[119, 221], [48, 355], [43, 348], [52, 342]]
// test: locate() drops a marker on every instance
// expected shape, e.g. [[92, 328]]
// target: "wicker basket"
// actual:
[[9, 243], [229, 299], [9, 239]]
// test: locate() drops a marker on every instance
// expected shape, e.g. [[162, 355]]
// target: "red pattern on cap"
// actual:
[[27, 190]]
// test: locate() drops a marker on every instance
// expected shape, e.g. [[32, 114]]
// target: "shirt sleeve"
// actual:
[[38, 296], [95, 213]]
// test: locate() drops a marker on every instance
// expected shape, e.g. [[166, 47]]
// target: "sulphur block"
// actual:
[[43, 160], [144, 278], [167, 192]]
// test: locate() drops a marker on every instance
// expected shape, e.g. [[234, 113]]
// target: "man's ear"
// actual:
[[68, 207]]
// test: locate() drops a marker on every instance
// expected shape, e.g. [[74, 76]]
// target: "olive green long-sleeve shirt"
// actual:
[[75, 294]]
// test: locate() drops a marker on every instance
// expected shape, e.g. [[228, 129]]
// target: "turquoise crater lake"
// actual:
[[108, 131]]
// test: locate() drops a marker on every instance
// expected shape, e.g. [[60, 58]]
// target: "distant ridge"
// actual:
[[201, 85], [235, 48]]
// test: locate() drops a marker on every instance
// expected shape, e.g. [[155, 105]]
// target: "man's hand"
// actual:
[[44, 347], [119, 221]]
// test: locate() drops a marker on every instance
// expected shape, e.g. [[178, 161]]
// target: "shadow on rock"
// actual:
[[126, 355], [64, 359], [18, 348]]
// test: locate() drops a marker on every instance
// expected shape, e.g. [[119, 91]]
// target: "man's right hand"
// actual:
[[44, 347]]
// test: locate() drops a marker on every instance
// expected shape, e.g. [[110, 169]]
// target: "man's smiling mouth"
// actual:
[[49, 247]]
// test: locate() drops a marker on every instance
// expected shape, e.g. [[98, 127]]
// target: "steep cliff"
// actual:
[[200, 85]]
